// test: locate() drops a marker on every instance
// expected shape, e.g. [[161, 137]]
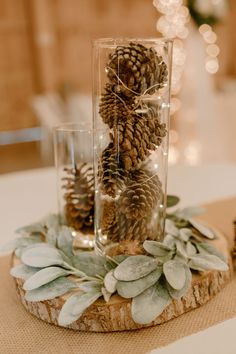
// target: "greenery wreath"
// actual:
[[50, 267]]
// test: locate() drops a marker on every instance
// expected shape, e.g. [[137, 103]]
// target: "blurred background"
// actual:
[[45, 70]]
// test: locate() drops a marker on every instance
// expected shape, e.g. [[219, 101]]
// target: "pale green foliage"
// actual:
[[23, 271], [129, 289], [43, 277], [150, 304], [207, 262], [42, 256], [51, 290], [135, 267], [75, 306], [175, 273], [89, 263], [110, 282], [151, 281]]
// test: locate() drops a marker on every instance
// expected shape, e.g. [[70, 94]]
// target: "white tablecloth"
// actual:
[[27, 196]]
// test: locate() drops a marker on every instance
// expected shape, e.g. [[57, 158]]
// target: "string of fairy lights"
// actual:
[[173, 23]]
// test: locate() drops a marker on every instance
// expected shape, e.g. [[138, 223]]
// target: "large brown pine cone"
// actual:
[[79, 196], [114, 108], [135, 69], [111, 171], [136, 137], [119, 228], [141, 195]]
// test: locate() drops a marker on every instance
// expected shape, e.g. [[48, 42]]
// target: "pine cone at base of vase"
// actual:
[[135, 69], [111, 171], [109, 214], [79, 196], [117, 227], [141, 195]]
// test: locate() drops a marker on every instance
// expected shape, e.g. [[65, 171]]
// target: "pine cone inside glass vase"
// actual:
[[118, 228], [79, 196], [114, 108], [111, 171], [136, 137], [136, 69], [141, 195]]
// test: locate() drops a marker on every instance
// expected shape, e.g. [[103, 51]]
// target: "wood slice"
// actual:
[[116, 315]]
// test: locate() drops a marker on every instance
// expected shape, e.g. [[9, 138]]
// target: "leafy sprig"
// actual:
[[50, 268]]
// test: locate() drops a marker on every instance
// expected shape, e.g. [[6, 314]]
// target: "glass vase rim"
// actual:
[[107, 41]]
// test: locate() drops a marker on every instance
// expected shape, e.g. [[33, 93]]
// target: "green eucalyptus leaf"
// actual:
[[156, 248], [205, 231], [203, 262], [110, 282], [35, 228], [112, 262], [44, 276], [20, 243], [75, 306], [185, 234], [90, 286], [175, 273], [190, 249], [206, 248], [170, 228], [176, 294], [90, 264], [172, 200], [129, 289], [42, 256], [65, 240], [135, 267], [189, 212], [147, 306], [169, 241], [23, 271], [51, 290], [51, 236], [179, 258], [106, 294], [52, 221], [181, 248]]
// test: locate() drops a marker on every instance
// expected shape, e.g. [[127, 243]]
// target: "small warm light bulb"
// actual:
[[204, 28], [210, 36], [213, 50], [212, 65]]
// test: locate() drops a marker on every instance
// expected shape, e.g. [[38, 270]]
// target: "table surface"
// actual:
[[29, 195]]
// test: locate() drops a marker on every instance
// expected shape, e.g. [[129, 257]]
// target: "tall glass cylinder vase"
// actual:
[[73, 147], [131, 99]]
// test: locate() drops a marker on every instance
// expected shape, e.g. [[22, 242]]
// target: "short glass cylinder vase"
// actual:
[[73, 151], [131, 98]]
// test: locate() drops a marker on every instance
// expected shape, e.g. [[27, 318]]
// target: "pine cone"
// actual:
[[136, 137], [114, 108], [141, 195], [108, 215], [134, 69], [79, 196], [118, 228], [111, 171]]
